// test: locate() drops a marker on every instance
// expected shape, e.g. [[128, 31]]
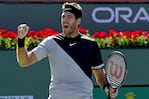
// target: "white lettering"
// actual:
[[125, 17], [139, 17], [103, 9], [119, 14], [16, 97]]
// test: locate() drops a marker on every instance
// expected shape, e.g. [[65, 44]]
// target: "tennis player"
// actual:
[[72, 57]]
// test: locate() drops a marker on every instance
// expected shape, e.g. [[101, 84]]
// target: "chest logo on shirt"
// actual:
[[72, 44]]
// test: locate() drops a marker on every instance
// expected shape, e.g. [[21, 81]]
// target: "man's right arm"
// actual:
[[24, 57]]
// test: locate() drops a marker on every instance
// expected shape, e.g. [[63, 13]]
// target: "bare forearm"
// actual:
[[102, 81], [22, 56], [100, 77]]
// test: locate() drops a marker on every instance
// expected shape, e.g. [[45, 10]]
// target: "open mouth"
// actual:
[[66, 26]]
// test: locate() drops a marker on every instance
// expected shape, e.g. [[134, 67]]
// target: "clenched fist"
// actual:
[[23, 29]]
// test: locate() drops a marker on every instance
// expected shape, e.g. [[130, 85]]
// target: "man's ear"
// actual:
[[78, 21]]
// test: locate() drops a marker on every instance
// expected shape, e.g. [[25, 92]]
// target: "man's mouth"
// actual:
[[66, 26]]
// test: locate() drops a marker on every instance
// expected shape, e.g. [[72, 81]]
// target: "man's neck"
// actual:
[[73, 35]]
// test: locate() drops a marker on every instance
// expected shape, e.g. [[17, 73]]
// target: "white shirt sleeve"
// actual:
[[42, 50]]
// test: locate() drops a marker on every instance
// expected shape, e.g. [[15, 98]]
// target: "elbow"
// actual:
[[22, 64], [99, 83]]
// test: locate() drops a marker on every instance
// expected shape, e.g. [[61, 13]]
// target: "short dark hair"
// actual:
[[74, 8]]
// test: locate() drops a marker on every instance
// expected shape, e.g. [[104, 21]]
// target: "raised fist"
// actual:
[[23, 29]]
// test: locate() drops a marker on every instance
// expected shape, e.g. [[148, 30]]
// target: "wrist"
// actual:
[[106, 85], [21, 42]]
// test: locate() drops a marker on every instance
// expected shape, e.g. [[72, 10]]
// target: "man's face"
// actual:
[[69, 23]]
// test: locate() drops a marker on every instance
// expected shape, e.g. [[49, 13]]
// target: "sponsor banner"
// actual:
[[96, 17], [116, 16], [16, 97], [124, 93], [75, 0]]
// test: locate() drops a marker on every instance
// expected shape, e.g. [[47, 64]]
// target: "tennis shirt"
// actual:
[[71, 62]]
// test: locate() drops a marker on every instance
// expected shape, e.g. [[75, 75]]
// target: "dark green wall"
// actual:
[[125, 93], [42, 15], [34, 80], [15, 80]]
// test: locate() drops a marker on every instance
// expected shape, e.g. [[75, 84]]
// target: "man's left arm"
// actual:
[[100, 77], [102, 82]]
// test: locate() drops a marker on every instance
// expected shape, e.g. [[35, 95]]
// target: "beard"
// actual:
[[70, 30]]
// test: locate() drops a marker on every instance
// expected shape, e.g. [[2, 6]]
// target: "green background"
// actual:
[[34, 80], [135, 92], [41, 15]]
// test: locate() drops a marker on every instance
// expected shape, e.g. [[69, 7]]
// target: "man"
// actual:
[[72, 57]]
